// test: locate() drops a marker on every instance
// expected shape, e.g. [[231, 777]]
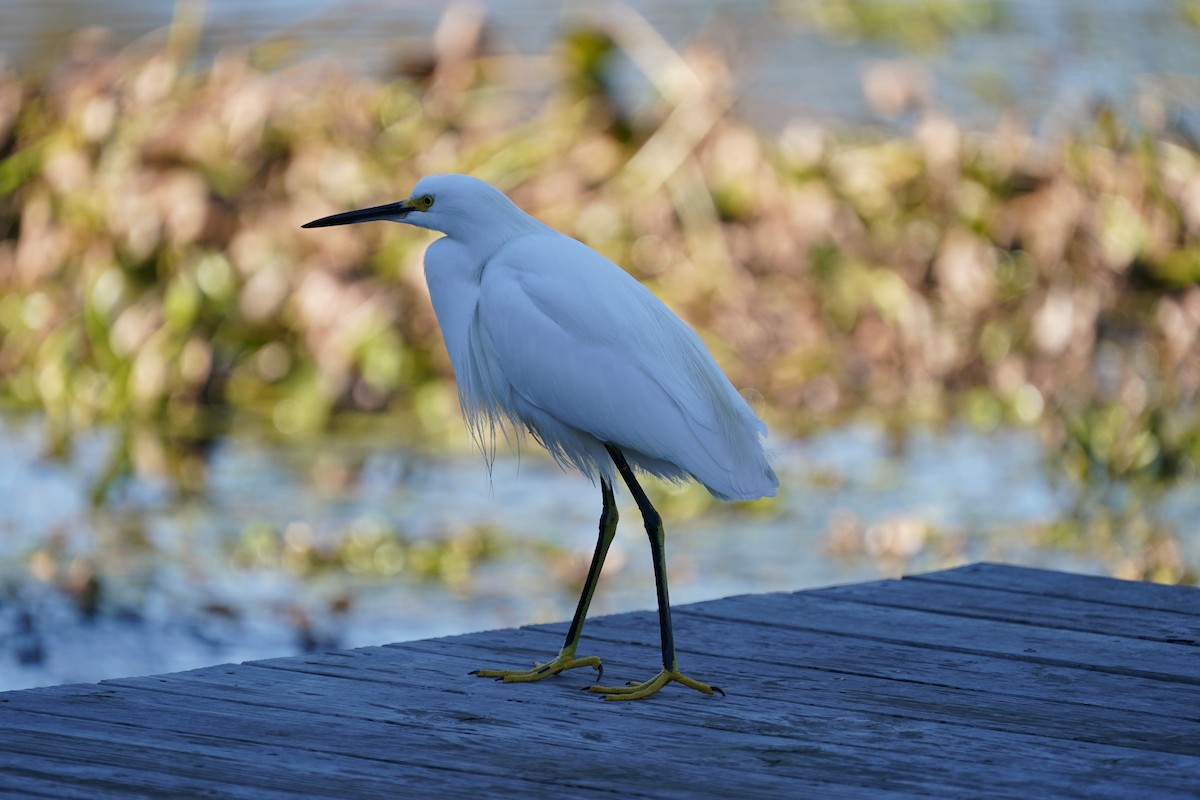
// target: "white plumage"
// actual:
[[545, 333]]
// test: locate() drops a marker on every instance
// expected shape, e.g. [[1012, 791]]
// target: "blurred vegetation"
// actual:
[[153, 275], [1189, 11], [913, 24]]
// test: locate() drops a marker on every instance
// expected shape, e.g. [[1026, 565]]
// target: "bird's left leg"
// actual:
[[670, 671], [566, 658]]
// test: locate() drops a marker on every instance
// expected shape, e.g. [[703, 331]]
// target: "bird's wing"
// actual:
[[578, 338]]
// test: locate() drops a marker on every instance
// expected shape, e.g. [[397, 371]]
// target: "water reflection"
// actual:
[[1050, 61], [351, 541]]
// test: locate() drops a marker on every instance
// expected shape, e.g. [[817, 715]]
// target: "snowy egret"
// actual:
[[546, 334]]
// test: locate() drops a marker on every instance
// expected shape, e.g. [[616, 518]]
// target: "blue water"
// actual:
[[182, 588]]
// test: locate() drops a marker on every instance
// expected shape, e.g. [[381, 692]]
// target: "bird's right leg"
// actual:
[[566, 658]]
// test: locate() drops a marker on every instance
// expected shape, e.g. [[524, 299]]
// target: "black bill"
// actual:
[[391, 211]]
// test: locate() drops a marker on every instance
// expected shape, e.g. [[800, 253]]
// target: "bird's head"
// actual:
[[460, 206]]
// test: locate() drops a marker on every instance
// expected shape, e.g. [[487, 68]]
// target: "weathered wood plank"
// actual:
[[841, 655], [768, 665], [930, 703], [98, 754], [833, 691], [1150, 659], [558, 718], [1026, 609], [162, 759], [23, 779], [466, 746], [814, 654], [1070, 586], [916, 688], [798, 747]]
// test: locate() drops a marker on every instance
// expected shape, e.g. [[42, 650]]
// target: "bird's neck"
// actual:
[[483, 241]]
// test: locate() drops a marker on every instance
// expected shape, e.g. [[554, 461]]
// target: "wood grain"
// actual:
[[985, 681]]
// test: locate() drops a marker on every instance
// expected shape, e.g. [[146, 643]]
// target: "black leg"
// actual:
[[608, 527], [654, 529], [566, 658], [670, 671]]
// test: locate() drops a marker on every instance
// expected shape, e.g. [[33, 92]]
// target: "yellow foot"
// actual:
[[636, 691], [564, 661]]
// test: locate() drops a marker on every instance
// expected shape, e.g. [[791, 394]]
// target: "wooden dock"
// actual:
[[983, 681]]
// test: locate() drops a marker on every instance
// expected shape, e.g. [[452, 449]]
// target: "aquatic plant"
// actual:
[[153, 274]]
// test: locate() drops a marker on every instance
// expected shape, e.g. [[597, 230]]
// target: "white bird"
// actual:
[[546, 334]]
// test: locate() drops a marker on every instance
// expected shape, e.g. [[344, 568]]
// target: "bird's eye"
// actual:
[[425, 202]]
